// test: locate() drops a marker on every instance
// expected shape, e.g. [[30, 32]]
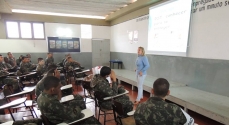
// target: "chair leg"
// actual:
[[115, 117], [34, 112], [95, 109], [31, 112], [99, 114], [104, 118], [120, 121]]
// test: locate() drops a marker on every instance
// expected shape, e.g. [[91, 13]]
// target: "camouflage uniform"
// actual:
[[102, 86], [8, 66], [64, 60], [57, 112], [155, 111], [40, 69], [71, 65], [12, 62], [8, 81], [3, 65], [26, 67], [40, 86], [18, 62], [49, 61]]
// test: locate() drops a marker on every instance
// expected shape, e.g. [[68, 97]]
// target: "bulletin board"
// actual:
[[58, 44]]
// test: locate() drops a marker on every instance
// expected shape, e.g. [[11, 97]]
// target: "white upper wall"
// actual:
[[208, 38], [103, 32], [23, 46], [120, 40], [53, 30]]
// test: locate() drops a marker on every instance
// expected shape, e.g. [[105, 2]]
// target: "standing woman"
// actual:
[[142, 66]]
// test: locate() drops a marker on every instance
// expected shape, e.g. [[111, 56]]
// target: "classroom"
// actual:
[[102, 61]]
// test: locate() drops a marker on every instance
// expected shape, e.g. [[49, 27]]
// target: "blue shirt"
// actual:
[[142, 64]]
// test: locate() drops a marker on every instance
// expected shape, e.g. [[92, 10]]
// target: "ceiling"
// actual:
[[84, 7]]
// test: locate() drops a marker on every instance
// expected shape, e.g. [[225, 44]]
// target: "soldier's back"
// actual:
[[155, 111]]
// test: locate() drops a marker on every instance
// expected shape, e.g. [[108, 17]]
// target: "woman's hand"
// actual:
[[140, 73]]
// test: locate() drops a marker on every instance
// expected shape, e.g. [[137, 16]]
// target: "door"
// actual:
[[100, 52]]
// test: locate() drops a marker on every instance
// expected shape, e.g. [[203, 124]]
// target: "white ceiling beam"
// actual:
[[4, 7], [130, 8]]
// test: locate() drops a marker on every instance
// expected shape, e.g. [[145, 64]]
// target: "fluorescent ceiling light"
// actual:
[[56, 14]]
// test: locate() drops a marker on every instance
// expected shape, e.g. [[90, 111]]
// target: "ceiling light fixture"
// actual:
[[56, 14]]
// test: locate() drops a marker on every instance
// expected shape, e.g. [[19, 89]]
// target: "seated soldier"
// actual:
[[11, 59], [29, 57], [100, 84], [26, 66], [64, 60], [96, 70], [6, 62], [71, 64], [3, 64], [40, 67], [18, 61], [56, 112], [7, 81], [52, 71], [49, 60], [156, 111]]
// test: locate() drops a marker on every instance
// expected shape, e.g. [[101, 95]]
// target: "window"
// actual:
[[12, 29], [25, 30], [38, 30], [86, 31]]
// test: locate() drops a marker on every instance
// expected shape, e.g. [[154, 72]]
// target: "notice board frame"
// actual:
[[63, 44]]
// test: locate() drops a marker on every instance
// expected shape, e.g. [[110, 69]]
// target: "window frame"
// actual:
[[19, 30]]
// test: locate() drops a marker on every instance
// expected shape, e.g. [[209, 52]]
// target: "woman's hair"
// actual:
[[143, 50]]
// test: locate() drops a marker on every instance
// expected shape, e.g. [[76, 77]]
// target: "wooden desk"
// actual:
[[79, 79], [8, 123], [66, 98], [131, 113], [22, 92], [66, 87], [83, 71], [107, 98], [87, 113], [12, 104], [28, 74]]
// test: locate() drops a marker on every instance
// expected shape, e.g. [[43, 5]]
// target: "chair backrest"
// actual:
[[118, 108], [45, 120], [98, 98], [86, 85]]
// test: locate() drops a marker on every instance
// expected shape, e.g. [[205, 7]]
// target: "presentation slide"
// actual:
[[169, 26]]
